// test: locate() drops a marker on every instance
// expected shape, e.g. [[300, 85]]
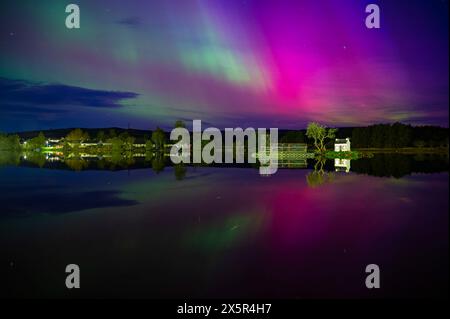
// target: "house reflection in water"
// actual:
[[342, 165]]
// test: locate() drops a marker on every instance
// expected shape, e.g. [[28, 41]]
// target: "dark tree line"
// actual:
[[374, 136], [399, 135], [380, 136], [399, 165], [9, 142]]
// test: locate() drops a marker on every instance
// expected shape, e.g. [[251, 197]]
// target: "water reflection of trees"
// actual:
[[383, 165], [9, 158], [399, 165], [386, 165], [77, 164], [36, 158], [180, 172], [158, 162], [120, 160], [319, 176]]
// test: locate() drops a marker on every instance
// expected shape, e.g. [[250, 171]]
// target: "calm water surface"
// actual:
[[226, 232]]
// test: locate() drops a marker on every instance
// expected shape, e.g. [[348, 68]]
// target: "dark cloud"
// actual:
[[132, 22], [28, 109], [33, 96]]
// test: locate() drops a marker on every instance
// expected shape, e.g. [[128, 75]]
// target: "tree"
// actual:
[[180, 124], [112, 133], [9, 158], [159, 138], [129, 143], [37, 142], [116, 145], [100, 136], [9, 142], [319, 134], [124, 135], [419, 143], [77, 136], [360, 137], [378, 135], [149, 145], [127, 140]]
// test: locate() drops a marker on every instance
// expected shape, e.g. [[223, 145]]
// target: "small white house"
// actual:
[[342, 145]]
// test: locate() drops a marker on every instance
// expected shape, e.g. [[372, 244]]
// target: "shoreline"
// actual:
[[405, 150]]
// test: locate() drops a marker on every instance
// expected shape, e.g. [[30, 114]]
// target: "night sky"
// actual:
[[228, 63]]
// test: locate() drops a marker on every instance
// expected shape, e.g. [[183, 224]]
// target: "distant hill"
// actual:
[[59, 133]]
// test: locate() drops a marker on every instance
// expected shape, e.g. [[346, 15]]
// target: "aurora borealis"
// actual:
[[228, 63]]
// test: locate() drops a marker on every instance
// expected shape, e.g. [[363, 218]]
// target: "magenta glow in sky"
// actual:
[[228, 63]]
